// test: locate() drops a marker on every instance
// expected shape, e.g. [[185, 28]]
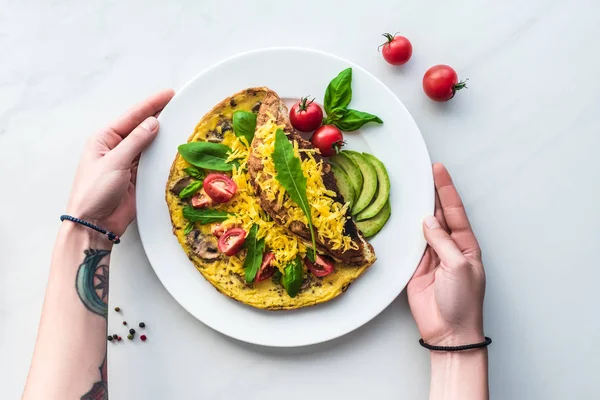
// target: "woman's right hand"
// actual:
[[446, 292]]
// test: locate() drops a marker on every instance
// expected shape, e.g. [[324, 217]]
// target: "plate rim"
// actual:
[[361, 322]]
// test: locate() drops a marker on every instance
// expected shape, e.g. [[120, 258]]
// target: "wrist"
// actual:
[[457, 338], [71, 231], [459, 375]]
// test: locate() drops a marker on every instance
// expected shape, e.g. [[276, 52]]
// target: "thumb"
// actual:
[[135, 142], [442, 243]]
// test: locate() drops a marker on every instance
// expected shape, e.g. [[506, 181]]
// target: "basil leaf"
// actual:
[[194, 172], [335, 115], [293, 275], [206, 155], [339, 91], [188, 228], [244, 124], [204, 216], [354, 119], [291, 177], [190, 189], [254, 255]]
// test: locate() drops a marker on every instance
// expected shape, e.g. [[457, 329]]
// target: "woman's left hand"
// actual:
[[104, 189]]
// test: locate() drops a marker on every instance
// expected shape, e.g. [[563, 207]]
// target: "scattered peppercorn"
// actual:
[[142, 325], [130, 336], [124, 322], [132, 331], [117, 309], [143, 337], [115, 336], [119, 338], [110, 338]]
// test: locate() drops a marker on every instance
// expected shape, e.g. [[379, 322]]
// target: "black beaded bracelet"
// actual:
[[111, 236], [464, 347]]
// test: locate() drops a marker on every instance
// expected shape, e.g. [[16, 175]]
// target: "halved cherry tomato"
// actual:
[[266, 270], [323, 266], [219, 187], [201, 200], [217, 229], [232, 241]]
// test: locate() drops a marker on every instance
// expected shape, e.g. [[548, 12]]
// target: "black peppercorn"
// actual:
[[110, 338], [115, 336], [142, 325], [117, 309], [132, 331]]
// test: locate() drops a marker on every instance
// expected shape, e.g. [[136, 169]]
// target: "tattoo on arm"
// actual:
[[91, 284]]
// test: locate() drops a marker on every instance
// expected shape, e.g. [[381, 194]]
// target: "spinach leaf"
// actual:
[[291, 177], [254, 255], [244, 124], [194, 172], [204, 216], [293, 277], [354, 119], [339, 91], [190, 189], [206, 155], [188, 228]]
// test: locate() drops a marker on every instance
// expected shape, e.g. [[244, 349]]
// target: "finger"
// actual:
[[454, 210], [439, 213], [442, 243], [126, 152], [138, 113]]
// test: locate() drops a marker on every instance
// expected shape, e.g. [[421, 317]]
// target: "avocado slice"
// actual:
[[372, 226], [369, 186], [344, 184], [351, 169], [383, 189]]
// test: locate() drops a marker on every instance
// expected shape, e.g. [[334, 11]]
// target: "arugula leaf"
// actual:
[[354, 119], [190, 189], [291, 177], [339, 91], [188, 228], [244, 124], [254, 255], [206, 155], [194, 172], [204, 216], [293, 275]]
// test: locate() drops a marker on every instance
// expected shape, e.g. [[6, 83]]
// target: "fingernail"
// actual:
[[432, 222], [150, 123]]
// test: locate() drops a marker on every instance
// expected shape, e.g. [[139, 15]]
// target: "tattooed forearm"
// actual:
[[91, 285]]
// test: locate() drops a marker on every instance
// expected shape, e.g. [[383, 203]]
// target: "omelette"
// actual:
[[260, 204]]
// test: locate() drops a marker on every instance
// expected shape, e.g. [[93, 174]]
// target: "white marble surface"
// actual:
[[521, 144]]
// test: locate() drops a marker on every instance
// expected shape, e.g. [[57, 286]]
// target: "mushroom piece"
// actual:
[[180, 185], [203, 246]]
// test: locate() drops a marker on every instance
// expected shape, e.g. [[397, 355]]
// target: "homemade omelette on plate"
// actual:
[[263, 215]]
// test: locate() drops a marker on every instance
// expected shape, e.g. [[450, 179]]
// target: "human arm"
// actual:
[[69, 360], [446, 297]]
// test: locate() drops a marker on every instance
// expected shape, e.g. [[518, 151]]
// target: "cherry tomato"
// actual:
[[232, 241], [328, 139], [440, 83], [219, 187], [266, 270], [306, 116], [397, 50], [322, 266], [217, 229], [201, 200]]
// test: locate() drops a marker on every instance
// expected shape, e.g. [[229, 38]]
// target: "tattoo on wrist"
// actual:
[[91, 284]]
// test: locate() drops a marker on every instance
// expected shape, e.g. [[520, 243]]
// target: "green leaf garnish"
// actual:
[[339, 91], [206, 155], [254, 256], [194, 172], [204, 216], [190, 189], [291, 177], [293, 276], [354, 119], [188, 228], [244, 124]]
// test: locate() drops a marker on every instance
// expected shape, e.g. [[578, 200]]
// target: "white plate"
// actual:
[[292, 73]]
